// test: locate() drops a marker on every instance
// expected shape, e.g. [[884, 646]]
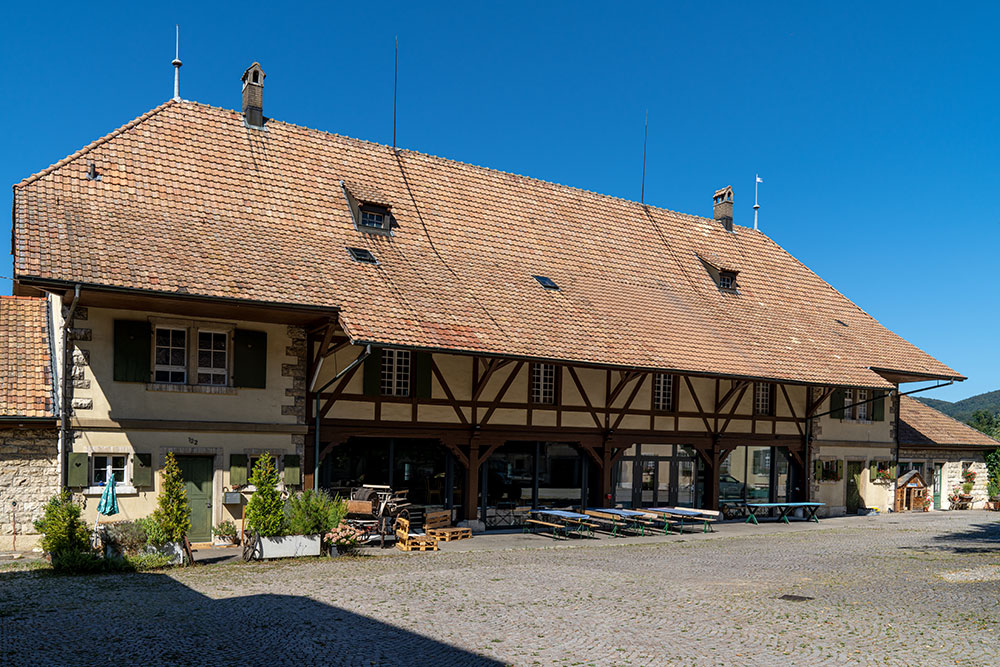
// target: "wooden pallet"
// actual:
[[416, 545], [449, 534]]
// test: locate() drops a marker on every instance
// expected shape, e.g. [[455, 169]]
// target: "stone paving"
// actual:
[[917, 589]]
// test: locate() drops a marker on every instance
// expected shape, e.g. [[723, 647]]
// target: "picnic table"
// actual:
[[632, 519], [784, 510], [685, 513], [567, 520]]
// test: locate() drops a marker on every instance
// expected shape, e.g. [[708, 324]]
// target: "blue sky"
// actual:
[[873, 124]]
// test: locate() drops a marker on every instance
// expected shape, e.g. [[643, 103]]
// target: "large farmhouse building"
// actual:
[[223, 284]]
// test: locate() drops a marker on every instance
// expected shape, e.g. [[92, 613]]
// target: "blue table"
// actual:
[[682, 514], [630, 517], [784, 510], [579, 521]]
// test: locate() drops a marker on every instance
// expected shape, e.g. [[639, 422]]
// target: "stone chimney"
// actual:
[[722, 207], [253, 96]]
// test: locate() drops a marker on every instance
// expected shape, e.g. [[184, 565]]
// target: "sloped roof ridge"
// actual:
[[94, 144], [467, 164], [947, 416]]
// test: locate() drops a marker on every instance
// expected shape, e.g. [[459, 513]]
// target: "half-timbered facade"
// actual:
[[487, 340]]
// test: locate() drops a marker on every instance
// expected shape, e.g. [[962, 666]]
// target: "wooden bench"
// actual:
[[707, 518], [438, 525], [615, 521], [407, 542], [554, 528]]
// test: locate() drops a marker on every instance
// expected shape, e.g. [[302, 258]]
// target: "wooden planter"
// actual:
[[289, 546], [173, 549]]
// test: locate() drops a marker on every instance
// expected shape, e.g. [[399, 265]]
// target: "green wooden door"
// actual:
[[937, 486], [854, 471], [197, 474]]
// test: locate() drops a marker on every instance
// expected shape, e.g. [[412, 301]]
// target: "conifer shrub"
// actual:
[[173, 513], [265, 512], [313, 512], [64, 535]]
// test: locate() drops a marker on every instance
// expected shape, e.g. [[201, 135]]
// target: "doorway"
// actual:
[[937, 485], [197, 471], [854, 471]]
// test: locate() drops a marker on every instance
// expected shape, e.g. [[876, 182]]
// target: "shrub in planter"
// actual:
[[265, 512], [313, 513], [64, 535], [226, 530], [125, 537], [155, 535], [173, 512], [967, 487]]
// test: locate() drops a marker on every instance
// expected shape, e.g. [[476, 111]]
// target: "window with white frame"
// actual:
[[170, 355], [396, 372], [762, 398], [213, 361], [105, 466], [862, 409], [663, 392], [372, 219], [543, 384]]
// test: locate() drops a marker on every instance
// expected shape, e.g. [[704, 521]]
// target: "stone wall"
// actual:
[[951, 471], [29, 475]]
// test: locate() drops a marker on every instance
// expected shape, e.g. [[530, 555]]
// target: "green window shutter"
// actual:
[[892, 471], [840, 470], [878, 406], [79, 469], [837, 403], [132, 350], [237, 469], [818, 470], [373, 373], [249, 359], [142, 470], [872, 470], [293, 473], [422, 374]]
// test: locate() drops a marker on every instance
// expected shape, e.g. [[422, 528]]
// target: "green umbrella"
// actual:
[[109, 499]]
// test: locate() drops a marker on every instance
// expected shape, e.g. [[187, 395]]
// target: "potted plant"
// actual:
[[172, 515], [225, 532], [928, 503], [882, 475], [343, 539]]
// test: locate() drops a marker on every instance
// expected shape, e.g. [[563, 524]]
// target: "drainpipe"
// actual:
[[64, 407], [361, 357]]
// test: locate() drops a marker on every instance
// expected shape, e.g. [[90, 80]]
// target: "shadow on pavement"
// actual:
[[134, 619], [976, 538]]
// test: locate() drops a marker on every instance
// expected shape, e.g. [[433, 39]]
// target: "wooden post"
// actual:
[[470, 499], [607, 485], [712, 478], [309, 454]]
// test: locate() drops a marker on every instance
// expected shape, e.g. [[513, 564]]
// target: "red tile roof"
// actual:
[[25, 374], [192, 201], [922, 425]]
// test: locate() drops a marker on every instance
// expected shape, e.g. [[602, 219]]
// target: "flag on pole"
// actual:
[[759, 179]]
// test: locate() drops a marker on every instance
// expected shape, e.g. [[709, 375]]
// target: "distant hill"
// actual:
[[962, 410]]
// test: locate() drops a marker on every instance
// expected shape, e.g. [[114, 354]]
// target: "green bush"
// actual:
[[265, 512], [313, 512], [126, 537], [155, 535], [81, 562], [63, 532], [993, 467], [173, 512], [225, 529], [144, 562]]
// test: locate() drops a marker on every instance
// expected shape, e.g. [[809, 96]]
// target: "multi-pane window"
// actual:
[[372, 219], [726, 280], [212, 358], [543, 384], [762, 398], [663, 392], [170, 355], [861, 410], [395, 373], [106, 466]]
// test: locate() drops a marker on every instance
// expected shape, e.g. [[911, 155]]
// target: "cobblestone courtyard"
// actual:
[[919, 589]]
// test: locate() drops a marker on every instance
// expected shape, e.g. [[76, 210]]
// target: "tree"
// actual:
[[173, 513], [266, 510], [63, 532], [987, 422]]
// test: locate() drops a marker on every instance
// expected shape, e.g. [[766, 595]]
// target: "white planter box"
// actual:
[[173, 549], [289, 546]]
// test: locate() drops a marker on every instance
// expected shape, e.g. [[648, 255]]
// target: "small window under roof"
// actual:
[[362, 255], [546, 282]]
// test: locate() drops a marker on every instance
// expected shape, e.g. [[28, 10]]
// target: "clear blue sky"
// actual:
[[873, 125]]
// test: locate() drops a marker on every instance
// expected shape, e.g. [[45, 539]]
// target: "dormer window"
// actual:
[[373, 219], [721, 272], [727, 280]]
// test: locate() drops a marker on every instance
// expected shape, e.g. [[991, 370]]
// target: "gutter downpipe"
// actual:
[[870, 400], [62, 449], [361, 357]]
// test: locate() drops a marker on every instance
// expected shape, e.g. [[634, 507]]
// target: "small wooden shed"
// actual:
[[911, 492]]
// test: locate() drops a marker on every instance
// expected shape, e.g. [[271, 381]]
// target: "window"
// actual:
[[372, 219], [362, 255], [762, 398], [395, 372], [727, 280], [761, 461], [855, 406], [663, 392], [831, 471], [212, 358], [546, 282], [861, 409], [171, 355], [104, 466], [543, 384]]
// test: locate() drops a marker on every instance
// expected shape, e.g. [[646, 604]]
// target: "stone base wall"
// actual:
[[29, 475], [951, 471]]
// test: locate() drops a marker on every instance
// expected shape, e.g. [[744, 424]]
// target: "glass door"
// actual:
[[937, 485]]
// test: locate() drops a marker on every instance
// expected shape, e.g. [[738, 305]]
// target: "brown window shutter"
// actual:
[[840, 470]]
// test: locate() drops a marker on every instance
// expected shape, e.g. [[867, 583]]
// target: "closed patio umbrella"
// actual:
[[109, 499]]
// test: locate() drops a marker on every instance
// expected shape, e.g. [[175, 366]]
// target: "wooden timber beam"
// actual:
[[791, 408], [624, 379], [732, 411], [339, 390], [694, 394], [738, 386], [502, 392], [586, 398], [592, 451], [628, 403], [813, 407], [448, 392]]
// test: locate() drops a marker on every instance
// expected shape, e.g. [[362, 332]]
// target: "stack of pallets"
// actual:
[[438, 525], [407, 542]]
